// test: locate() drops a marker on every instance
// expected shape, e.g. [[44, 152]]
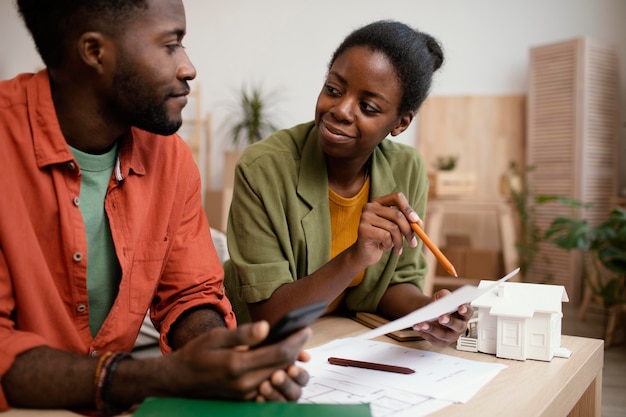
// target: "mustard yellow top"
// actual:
[[345, 215], [279, 223]]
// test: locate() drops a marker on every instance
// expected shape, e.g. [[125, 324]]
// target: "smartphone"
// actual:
[[294, 321]]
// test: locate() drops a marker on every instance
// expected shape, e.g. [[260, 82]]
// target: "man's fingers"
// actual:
[[284, 385], [277, 355], [248, 334], [299, 375], [304, 356]]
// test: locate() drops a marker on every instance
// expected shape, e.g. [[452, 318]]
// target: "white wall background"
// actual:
[[285, 45]]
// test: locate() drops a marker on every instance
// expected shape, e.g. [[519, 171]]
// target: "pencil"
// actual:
[[434, 249], [370, 365]]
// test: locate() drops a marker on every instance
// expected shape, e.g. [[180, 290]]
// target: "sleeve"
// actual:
[[193, 275], [12, 341], [259, 242]]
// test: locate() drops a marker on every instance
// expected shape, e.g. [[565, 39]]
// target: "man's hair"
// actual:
[[54, 24], [414, 55]]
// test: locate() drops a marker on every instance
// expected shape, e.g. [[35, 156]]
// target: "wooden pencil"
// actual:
[[434, 249]]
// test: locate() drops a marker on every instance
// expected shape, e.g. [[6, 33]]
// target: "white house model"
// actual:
[[518, 321]]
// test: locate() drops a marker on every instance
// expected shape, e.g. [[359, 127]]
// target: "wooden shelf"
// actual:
[[434, 222]]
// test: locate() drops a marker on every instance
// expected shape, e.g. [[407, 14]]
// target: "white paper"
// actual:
[[329, 388], [444, 377], [447, 304]]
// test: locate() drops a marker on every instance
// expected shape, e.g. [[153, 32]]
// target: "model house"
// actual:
[[518, 321]]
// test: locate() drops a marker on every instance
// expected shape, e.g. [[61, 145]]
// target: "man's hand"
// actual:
[[284, 385], [219, 364], [448, 327]]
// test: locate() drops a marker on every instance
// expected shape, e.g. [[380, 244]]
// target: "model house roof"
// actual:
[[517, 299]]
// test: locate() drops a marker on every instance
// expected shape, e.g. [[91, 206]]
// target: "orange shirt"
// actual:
[[161, 235]]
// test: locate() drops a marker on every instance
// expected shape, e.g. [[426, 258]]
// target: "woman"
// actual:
[[322, 211]]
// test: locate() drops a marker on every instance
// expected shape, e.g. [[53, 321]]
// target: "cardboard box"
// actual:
[[483, 264], [452, 184], [473, 263], [456, 256], [216, 207]]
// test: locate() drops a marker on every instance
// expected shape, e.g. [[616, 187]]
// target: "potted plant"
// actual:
[[446, 162], [250, 121], [603, 250]]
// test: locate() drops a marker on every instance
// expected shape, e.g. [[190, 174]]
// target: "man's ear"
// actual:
[[92, 47], [403, 123]]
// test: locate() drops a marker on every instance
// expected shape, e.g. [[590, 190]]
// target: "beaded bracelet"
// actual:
[[99, 379], [104, 375], [109, 409]]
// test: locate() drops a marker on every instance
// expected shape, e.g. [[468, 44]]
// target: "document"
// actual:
[[383, 401], [439, 376], [447, 304]]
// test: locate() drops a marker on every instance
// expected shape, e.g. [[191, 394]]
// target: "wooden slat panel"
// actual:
[[486, 132], [572, 141]]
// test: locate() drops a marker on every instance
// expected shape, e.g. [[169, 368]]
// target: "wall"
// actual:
[[285, 45]]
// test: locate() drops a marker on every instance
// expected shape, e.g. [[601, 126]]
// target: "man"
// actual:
[[101, 219]]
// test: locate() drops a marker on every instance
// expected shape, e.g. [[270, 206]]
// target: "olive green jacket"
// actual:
[[279, 221]]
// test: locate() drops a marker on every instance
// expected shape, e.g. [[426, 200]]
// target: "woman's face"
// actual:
[[357, 107]]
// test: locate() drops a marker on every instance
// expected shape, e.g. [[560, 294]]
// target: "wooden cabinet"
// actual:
[[573, 122], [501, 230]]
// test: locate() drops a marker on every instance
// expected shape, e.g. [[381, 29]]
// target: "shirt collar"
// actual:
[[48, 140], [129, 159]]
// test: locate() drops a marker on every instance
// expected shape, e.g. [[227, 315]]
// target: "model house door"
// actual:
[[511, 343]]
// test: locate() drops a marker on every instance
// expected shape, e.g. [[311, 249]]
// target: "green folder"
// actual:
[[174, 407]]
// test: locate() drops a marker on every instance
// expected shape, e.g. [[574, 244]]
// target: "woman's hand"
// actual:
[[448, 327], [385, 223]]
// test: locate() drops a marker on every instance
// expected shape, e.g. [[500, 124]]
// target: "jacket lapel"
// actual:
[[313, 189]]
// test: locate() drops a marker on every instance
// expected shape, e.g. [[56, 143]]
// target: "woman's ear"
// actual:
[[403, 123]]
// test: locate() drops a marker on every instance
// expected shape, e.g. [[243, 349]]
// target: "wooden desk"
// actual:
[[563, 387]]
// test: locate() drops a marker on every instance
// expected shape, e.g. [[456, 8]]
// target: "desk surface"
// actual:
[[524, 388], [529, 388]]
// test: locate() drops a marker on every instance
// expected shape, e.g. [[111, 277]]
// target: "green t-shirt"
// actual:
[[103, 269]]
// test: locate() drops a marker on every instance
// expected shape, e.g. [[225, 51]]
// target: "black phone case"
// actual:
[[294, 321]]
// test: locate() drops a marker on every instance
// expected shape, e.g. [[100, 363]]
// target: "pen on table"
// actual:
[[434, 249], [370, 365]]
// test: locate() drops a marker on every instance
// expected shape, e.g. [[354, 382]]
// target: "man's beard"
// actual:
[[154, 119], [136, 100]]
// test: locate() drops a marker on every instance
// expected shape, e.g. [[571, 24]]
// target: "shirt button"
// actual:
[[76, 201], [93, 353], [77, 256], [81, 308], [71, 165]]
